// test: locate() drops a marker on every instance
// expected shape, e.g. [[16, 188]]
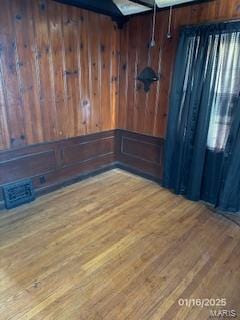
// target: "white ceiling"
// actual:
[[127, 7], [169, 3]]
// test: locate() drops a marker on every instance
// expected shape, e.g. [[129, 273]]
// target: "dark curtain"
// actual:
[[202, 149], [229, 195]]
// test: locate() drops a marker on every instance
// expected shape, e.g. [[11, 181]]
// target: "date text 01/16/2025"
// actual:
[[219, 303]]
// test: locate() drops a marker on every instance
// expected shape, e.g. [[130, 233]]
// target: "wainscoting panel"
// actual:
[[52, 165], [86, 151], [56, 164], [27, 165], [140, 154]]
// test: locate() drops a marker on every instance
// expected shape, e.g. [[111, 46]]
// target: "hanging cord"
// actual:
[[152, 42], [169, 33]]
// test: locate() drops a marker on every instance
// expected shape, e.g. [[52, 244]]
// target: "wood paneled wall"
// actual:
[[62, 74], [58, 72], [147, 113]]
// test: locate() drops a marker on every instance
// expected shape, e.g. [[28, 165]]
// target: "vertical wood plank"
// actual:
[[95, 69], [26, 54], [123, 78], [9, 73], [45, 85], [71, 72], [153, 107], [114, 76], [143, 41], [81, 124], [132, 75], [85, 74], [105, 51], [56, 40], [4, 130]]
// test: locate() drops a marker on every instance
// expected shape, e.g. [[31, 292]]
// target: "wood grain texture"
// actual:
[[58, 72], [115, 247], [147, 113], [139, 153], [52, 165], [60, 69]]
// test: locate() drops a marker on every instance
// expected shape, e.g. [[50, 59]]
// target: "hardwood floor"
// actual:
[[115, 246]]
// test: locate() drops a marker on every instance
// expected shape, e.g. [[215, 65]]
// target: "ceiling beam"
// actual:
[[106, 7], [149, 4]]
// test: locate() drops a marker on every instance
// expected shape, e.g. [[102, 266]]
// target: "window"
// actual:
[[226, 89]]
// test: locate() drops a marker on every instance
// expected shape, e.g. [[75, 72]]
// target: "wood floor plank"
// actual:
[[115, 246]]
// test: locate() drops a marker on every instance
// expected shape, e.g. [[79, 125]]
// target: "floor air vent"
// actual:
[[18, 193]]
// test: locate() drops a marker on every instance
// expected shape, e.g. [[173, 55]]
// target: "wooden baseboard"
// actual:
[[137, 172], [57, 164]]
